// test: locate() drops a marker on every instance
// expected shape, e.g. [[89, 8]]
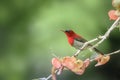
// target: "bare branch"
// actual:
[[85, 44], [44, 78], [47, 78], [109, 54], [101, 38], [115, 52], [115, 24]]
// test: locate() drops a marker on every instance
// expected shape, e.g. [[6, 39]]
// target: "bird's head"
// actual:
[[71, 36], [69, 33]]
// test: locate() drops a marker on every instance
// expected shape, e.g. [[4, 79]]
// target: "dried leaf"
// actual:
[[112, 15], [102, 59], [56, 63]]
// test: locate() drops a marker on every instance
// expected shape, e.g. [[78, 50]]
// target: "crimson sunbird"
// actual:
[[77, 41]]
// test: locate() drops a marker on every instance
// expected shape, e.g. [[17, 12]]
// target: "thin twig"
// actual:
[[109, 54], [115, 24], [101, 38], [46, 78], [115, 52]]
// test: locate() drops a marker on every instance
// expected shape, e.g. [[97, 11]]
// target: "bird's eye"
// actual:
[[67, 30]]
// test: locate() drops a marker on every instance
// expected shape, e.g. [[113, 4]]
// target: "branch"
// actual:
[[115, 24], [47, 78], [44, 78], [101, 38], [109, 54], [115, 52], [86, 43]]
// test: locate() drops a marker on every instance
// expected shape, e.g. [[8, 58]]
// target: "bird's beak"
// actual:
[[62, 30]]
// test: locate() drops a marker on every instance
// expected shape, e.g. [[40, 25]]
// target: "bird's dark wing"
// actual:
[[81, 40], [97, 51]]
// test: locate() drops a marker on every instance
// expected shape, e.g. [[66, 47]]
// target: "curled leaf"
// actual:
[[112, 15], [87, 62], [56, 66], [71, 63], [81, 66], [68, 62], [78, 67], [56, 63], [102, 59], [116, 4]]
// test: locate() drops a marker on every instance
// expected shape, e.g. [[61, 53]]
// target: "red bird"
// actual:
[[77, 41]]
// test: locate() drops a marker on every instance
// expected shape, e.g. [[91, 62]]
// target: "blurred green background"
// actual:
[[30, 34]]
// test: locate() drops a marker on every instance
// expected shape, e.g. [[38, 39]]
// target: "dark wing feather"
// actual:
[[83, 40]]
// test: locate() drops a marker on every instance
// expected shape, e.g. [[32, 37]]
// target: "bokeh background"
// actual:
[[30, 35]]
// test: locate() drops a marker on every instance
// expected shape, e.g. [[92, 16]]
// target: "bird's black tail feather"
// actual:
[[97, 51]]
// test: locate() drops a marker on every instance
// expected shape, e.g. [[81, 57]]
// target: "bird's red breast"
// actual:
[[72, 36], [70, 40]]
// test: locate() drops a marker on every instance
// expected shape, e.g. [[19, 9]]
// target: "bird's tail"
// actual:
[[97, 51]]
